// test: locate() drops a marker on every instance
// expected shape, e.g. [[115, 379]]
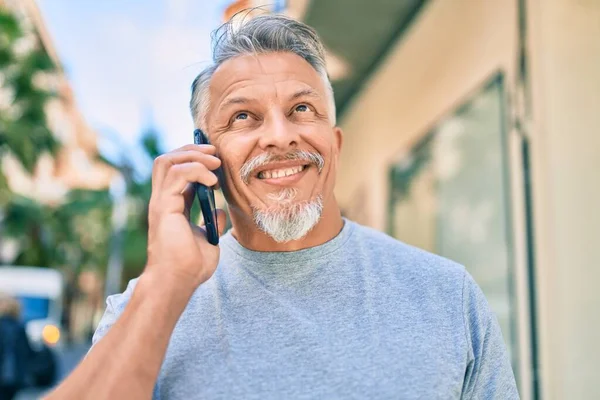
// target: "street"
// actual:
[[69, 357]]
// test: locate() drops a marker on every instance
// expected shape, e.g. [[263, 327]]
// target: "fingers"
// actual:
[[203, 154], [174, 173], [210, 161], [179, 176]]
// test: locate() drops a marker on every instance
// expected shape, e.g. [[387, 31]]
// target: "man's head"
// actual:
[[267, 104]]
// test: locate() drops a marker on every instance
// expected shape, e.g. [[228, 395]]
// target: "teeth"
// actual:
[[280, 173]]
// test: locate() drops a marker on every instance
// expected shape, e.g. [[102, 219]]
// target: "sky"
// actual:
[[131, 63]]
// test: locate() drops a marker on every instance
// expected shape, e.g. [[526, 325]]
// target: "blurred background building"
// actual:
[[471, 130]]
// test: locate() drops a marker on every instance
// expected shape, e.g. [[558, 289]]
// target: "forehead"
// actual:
[[267, 70]]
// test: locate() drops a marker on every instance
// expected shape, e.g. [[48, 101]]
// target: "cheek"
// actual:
[[229, 161], [231, 167], [231, 183], [323, 142], [234, 152]]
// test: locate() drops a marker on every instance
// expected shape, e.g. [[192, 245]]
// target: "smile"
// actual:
[[281, 173]]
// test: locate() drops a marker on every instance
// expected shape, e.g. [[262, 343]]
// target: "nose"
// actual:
[[279, 134]]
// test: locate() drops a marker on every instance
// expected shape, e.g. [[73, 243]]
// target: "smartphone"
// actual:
[[206, 197]]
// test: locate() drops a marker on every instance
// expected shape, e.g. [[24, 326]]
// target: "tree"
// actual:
[[23, 129], [74, 232], [24, 67], [139, 189]]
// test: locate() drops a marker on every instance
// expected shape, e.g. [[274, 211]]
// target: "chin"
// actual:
[[291, 221]]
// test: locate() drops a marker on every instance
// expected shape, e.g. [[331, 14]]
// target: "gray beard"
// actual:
[[291, 221]]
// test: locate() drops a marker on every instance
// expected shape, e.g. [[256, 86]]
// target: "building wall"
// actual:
[[452, 48], [564, 43]]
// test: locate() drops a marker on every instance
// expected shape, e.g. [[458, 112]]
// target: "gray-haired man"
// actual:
[[296, 302]]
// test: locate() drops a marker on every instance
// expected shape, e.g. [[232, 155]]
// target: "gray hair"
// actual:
[[262, 34]]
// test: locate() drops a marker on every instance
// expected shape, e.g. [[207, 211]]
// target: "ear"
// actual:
[[339, 138]]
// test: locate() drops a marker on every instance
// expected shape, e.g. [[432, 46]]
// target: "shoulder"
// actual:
[[431, 285], [399, 257], [115, 305], [117, 302], [420, 267]]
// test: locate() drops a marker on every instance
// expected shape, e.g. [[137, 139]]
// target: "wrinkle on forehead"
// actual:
[[263, 69], [249, 92]]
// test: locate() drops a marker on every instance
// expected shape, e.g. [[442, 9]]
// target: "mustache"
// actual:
[[266, 158]]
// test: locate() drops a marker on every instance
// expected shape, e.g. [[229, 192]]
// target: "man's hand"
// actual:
[[177, 248], [126, 362]]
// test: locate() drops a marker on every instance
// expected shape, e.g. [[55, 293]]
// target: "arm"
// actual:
[[126, 362], [489, 374]]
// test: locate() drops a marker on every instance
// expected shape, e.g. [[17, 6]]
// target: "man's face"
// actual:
[[269, 119]]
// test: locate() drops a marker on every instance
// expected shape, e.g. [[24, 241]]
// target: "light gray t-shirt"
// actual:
[[362, 316]]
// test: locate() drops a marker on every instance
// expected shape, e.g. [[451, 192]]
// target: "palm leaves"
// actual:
[[24, 91]]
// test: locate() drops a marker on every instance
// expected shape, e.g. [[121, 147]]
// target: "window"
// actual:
[[450, 195]]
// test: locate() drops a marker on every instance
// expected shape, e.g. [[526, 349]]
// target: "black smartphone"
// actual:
[[206, 197]]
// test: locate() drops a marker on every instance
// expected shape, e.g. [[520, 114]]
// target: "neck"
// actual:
[[248, 235]]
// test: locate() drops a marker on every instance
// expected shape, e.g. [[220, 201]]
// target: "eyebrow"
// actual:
[[305, 92], [235, 100], [245, 100]]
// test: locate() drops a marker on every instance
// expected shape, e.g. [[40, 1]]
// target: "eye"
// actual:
[[241, 115], [301, 108]]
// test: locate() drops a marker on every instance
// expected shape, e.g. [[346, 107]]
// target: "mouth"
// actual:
[[282, 173]]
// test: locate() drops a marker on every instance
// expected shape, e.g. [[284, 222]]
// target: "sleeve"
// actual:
[[489, 374], [115, 305]]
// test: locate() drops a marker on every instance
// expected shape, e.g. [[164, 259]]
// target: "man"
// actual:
[[295, 302]]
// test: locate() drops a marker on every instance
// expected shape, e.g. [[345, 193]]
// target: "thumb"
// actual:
[[221, 221]]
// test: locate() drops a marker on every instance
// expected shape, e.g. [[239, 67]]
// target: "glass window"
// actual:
[[449, 195]]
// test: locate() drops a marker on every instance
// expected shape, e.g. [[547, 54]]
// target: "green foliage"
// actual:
[[24, 133], [135, 240], [23, 128], [10, 27], [75, 233], [151, 143]]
